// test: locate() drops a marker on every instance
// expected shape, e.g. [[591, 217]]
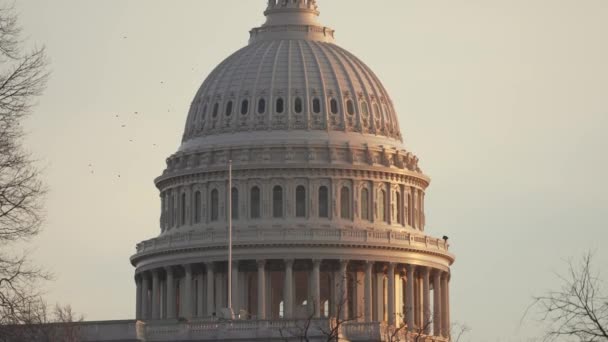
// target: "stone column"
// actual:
[[170, 294], [261, 289], [188, 292], [367, 294], [426, 300], [288, 290], [155, 295], [445, 328], [380, 296], [391, 293], [316, 287], [145, 302], [210, 289], [200, 294], [437, 303], [343, 289], [138, 297], [236, 304], [409, 297]]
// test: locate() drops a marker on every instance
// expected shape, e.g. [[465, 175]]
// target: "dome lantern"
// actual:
[[292, 19]]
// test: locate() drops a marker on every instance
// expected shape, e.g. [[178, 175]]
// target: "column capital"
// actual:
[[261, 263], [210, 265], [425, 270], [391, 267], [344, 262], [187, 268], [437, 273], [169, 269], [316, 262], [410, 268], [369, 264], [289, 262]]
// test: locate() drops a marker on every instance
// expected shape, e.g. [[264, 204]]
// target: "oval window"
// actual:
[[298, 105], [261, 106], [245, 107], [333, 106], [350, 107], [364, 108], [280, 107], [316, 106], [229, 108]]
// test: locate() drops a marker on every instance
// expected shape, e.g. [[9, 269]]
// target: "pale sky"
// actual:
[[505, 102]]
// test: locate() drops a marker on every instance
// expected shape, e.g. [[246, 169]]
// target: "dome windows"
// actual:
[[244, 107], [255, 202], [277, 202], [323, 202], [216, 109], [298, 106], [235, 203], [280, 106], [364, 108], [229, 108], [365, 204], [261, 106], [215, 205], [350, 107], [333, 105], [316, 105], [300, 201], [345, 211]]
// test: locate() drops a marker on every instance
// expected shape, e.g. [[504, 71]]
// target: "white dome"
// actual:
[[291, 77]]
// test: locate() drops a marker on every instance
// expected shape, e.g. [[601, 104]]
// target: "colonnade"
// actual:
[[365, 291]]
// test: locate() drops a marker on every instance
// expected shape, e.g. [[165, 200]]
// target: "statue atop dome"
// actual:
[[297, 4]]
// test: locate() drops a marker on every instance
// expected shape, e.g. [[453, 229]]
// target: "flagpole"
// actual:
[[230, 237]]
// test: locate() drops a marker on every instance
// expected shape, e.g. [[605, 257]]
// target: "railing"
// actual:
[[284, 329], [284, 235]]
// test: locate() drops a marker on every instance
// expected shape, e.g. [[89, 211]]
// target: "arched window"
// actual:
[[364, 108], [245, 107], [300, 201], [216, 109], [350, 107], [235, 203], [316, 105], [364, 204], [182, 210], [261, 106], [277, 202], [280, 106], [382, 206], [204, 112], [398, 208], [333, 104], [214, 205], [229, 108], [376, 110], [323, 202], [197, 207], [345, 203], [255, 202], [297, 106]]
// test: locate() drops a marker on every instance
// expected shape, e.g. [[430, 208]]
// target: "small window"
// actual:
[[300, 201], [255, 202], [350, 107], [316, 106], [216, 109], [376, 110], [280, 106], [345, 203], [245, 107], [333, 104], [197, 207], [277, 202], [364, 204], [323, 202], [398, 208], [229, 108], [235, 203], [214, 205], [298, 105], [204, 112], [261, 106], [382, 206], [364, 108]]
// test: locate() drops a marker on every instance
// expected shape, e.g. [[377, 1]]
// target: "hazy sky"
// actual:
[[505, 102]]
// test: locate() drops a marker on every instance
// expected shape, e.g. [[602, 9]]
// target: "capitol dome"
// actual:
[[325, 202]]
